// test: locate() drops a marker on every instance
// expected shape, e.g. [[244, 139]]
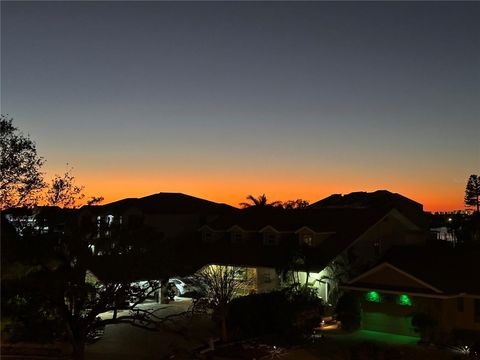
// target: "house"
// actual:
[[166, 216], [444, 286], [310, 241]]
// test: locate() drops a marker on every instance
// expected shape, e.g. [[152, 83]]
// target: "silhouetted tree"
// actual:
[[63, 192], [295, 204], [50, 271], [21, 181], [95, 200], [223, 284], [472, 192], [259, 201]]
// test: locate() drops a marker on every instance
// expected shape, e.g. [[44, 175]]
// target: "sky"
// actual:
[[224, 99]]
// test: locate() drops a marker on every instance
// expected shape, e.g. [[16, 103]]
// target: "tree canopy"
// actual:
[[22, 181], [21, 178]]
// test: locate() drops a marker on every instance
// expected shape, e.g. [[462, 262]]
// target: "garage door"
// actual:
[[395, 324]]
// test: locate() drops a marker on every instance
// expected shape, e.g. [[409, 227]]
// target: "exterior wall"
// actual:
[[389, 316], [444, 311], [464, 319], [267, 280], [377, 241], [318, 282]]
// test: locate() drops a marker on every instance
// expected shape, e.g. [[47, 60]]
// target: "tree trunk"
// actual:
[[77, 340], [224, 334], [78, 350]]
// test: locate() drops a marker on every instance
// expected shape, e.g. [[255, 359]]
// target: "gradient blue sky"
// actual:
[[224, 99]]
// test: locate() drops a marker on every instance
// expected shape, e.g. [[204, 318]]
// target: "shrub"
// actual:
[[349, 312], [423, 324], [279, 312]]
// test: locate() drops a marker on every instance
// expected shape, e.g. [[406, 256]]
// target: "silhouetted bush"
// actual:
[[424, 324], [349, 312]]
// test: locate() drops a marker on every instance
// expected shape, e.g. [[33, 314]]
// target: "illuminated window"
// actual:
[[373, 296], [307, 239], [404, 300], [267, 278]]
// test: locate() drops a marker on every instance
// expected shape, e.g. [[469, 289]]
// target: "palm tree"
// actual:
[[259, 201], [295, 204]]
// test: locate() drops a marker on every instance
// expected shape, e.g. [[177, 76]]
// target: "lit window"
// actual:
[[404, 300], [307, 239], [373, 296]]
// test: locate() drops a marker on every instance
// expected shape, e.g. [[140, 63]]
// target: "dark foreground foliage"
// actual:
[[349, 312], [290, 311]]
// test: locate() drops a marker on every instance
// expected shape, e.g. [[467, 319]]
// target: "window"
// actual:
[[270, 239], [207, 236], [307, 239], [460, 305], [240, 274], [237, 237], [266, 277]]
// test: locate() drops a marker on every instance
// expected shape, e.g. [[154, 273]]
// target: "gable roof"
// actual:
[[388, 275], [450, 271]]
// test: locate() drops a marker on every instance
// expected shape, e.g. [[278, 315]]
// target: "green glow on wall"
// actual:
[[404, 300], [373, 296]]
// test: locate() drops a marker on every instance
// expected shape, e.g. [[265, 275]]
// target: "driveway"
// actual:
[[180, 336]]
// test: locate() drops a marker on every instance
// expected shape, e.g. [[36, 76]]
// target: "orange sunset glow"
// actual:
[[233, 188]]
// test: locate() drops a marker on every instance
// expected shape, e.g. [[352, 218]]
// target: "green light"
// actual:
[[373, 296], [404, 300]]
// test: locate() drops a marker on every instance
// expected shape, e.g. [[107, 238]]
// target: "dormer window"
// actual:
[[237, 237], [307, 239], [207, 236], [270, 239]]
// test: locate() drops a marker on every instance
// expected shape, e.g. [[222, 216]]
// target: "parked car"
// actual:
[[186, 286]]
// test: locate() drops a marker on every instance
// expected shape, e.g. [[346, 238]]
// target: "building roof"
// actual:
[[449, 271], [380, 199], [171, 203], [343, 227]]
